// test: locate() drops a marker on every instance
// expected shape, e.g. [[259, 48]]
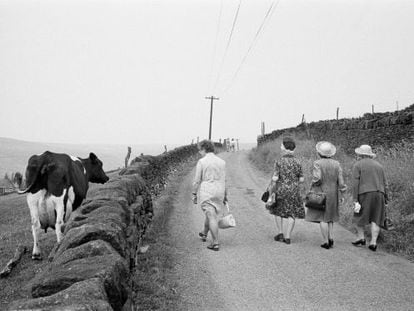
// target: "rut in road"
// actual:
[[253, 272]]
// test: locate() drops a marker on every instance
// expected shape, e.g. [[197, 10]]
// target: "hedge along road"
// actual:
[[253, 272]]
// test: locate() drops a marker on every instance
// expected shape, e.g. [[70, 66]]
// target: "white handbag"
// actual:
[[227, 221]]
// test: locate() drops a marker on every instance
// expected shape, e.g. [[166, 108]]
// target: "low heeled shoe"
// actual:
[[325, 245], [373, 247], [359, 242], [202, 236], [279, 237], [287, 241]]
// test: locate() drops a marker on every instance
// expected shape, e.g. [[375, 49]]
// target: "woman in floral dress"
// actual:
[[285, 201]]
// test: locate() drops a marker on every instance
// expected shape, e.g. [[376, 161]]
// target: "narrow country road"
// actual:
[[253, 272]]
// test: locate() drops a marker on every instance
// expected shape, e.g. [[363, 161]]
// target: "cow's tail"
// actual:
[[25, 190], [34, 171], [28, 187]]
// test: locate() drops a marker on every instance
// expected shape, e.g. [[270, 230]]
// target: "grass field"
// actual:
[[398, 163], [15, 229]]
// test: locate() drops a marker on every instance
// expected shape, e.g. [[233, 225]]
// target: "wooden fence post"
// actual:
[[127, 157]]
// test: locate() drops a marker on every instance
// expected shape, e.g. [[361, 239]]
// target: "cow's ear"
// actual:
[[93, 157]]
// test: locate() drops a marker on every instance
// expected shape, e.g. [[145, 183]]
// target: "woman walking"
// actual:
[[210, 184], [369, 194], [285, 202], [327, 178]]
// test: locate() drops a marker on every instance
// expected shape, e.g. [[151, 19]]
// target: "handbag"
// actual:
[[315, 200], [227, 221], [388, 223]]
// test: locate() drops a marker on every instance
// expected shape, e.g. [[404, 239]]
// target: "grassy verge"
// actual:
[[398, 163], [153, 289], [15, 229]]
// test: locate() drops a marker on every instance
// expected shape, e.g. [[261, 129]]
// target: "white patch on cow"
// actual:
[[34, 201], [58, 203], [77, 159], [69, 203], [49, 208], [42, 212]]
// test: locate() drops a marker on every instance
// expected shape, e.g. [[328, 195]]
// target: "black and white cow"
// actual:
[[56, 185]]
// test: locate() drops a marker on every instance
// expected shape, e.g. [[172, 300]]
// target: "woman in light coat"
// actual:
[[327, 177], [209, 190]]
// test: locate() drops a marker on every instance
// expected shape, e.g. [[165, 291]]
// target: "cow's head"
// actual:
[[95, 170]]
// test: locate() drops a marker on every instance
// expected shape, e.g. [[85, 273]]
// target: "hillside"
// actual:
[[15, 153]]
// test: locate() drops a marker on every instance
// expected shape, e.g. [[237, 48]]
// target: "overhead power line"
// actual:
[[267, 17], [215, 45], [228, 43]]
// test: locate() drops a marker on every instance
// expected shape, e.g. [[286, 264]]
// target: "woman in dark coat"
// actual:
[[285, 202], [369, 194], [327, 178]]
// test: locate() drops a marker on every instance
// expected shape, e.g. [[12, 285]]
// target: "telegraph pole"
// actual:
[[212, 98]]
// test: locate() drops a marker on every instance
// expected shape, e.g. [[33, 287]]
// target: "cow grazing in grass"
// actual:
[[56, 185]]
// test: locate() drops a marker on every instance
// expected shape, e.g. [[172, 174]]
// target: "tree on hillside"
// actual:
[[17, 179]]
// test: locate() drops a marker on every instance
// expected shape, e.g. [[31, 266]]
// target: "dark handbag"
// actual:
[[265, 196], [388, 224], [315, 200]]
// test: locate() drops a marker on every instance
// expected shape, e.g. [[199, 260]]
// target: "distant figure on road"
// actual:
[[209, 181], [227, 144], [233, 145], [370, 195], [285, 201], [327, 177]]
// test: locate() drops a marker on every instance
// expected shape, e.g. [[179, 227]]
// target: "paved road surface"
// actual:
[[253, 272]]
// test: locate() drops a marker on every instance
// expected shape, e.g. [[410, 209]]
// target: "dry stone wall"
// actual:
[[378, 129], [90, 269]]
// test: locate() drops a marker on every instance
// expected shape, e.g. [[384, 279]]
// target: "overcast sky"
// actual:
[[137, 72]]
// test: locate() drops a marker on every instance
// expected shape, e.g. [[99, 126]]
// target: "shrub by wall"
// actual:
[[378, 129], [90, 269]]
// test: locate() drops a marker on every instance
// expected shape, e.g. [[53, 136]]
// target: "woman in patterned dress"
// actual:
[[285, 201], [327, 177]]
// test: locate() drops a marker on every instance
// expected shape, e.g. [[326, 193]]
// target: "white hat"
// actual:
[[326, 149], [365, 150]]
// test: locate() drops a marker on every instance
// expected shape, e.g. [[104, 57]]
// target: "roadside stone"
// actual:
[[90, 205], [90, 249], [104, 214], [82, 296], [109, 232], [111, 269]]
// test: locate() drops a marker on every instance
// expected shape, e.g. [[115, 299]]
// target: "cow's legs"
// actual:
[[33, 201], [60, 211]]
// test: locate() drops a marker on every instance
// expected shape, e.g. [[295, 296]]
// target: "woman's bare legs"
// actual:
[[213, 226], [279, 224], [375, 230], [325, 231], [360, 233], [290, 226], [206, 225]]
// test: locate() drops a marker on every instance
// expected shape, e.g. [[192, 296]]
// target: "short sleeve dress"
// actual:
[[288, 199]]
